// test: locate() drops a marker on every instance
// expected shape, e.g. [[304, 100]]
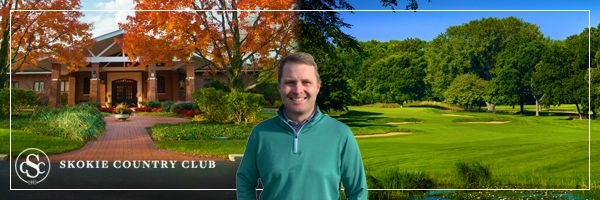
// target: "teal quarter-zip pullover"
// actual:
[[307, 163]]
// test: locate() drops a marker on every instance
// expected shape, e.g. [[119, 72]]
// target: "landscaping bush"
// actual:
[[473, 175], [220, 106], [21, 99], [92, 104], [200, 131], [167, 106], [245, 107], [213, 104], [153, 104], [81, 123], [186, 109]]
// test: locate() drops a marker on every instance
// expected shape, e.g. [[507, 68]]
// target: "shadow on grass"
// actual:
[[354, 113], [430, 106], [355, 118]]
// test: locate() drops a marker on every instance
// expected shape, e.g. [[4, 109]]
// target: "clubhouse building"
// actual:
[[110, 77]]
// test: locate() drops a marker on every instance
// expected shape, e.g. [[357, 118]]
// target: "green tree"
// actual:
[[467, 90], [371, 74], [512, 75], [581, 53], [397, 78], [547, 83], [321, 34], [474, 48], [335, 93]]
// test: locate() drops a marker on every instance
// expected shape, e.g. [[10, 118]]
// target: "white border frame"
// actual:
[[434, 189]]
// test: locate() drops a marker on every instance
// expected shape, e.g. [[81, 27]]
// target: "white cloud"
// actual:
[[107, 21]]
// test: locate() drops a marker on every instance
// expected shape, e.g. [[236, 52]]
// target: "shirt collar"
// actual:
[[293, 123]]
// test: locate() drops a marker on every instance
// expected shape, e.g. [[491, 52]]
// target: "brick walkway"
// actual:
[[125, 140]]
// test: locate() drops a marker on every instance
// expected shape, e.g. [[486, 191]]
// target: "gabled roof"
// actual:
[[109, 35]]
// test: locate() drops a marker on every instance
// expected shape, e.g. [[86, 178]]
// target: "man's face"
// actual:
[[299, 88]]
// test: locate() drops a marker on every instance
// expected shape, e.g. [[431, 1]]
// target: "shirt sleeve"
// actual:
[[353, 172], [247, 174]]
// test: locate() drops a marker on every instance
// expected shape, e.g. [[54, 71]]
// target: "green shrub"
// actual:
[[218, 85], [200, 131], [184, 107], [473, 175], [153, 104], [21, 99], [220, 106], [79, 123], [245, 107], [167, 106], [213, 104]]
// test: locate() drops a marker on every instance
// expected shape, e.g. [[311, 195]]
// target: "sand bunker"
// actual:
[[399, 123], [383, 135]]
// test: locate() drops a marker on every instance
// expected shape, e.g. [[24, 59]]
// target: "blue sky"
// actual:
[[106, 21], [427, 24]]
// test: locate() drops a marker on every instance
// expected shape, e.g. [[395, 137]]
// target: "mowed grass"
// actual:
[[205, 148], [526, 152], [22, 140]]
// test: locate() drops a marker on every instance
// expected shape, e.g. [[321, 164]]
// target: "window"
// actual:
[[15, 84], [38, 86], [160, 84], [86, 85], [64, 86]]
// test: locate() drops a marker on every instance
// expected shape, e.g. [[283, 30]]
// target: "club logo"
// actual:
[[32, 166]]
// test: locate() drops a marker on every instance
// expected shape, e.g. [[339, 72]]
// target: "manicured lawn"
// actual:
[[521, 151], [157, 114], [22, 140], [209, 148], [527, 152]]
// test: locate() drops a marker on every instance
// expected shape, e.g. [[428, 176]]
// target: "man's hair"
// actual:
[[297, 57]]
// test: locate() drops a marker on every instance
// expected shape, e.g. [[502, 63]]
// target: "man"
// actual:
[[301, 153]]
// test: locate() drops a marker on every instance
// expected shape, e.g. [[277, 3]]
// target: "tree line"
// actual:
[[486, 62]]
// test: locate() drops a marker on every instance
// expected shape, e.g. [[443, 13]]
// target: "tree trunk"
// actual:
[[4, 62], [578, 110], [537, 108], [491, 107], [522, 108], [537, 104]]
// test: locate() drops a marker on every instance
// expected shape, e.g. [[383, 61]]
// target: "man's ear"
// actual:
[[319, 87]]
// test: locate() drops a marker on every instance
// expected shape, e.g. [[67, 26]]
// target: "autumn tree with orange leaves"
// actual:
[[242, 45], [58, 35]]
